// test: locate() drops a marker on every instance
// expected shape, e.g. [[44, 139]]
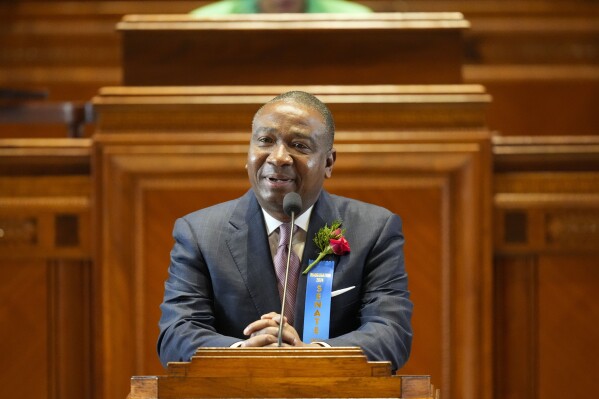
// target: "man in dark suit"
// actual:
[[222, 288]]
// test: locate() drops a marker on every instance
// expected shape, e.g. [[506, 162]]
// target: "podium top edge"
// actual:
[[250, 95], [258, 93], [283, 351], [447, 20], [383, 16], [351, 349], [339, 100]]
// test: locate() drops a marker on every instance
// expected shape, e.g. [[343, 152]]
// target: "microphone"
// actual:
[[292, 204]]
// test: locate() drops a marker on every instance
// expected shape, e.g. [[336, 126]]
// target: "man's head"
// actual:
[[291, 149], [282, 6]]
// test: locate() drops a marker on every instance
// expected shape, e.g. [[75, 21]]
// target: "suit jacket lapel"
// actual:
[[250, 250]]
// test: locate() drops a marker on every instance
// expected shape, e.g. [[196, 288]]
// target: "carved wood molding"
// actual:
[[45, 200], [524, 228], [160, 110], [18, 231], [546, 194]]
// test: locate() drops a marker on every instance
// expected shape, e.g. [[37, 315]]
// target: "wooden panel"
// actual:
[[45, 198], [69, 54], [423, 229], [310, 49], [538, 59], [133, 186], [72, 321], [429, 271], [223, 108], [28, 119], [544, 339], [24, 335], [546, 243], [45, 241], [45, 313], [540, 100], [69, 48], [567, 293], [435, 177], [516, 329]]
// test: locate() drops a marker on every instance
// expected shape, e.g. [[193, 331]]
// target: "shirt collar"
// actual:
[[302, 221]]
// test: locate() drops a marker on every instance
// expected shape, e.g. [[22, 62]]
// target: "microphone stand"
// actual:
[[289, 249]]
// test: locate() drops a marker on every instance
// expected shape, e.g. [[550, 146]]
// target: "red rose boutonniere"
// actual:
[[329, 240]]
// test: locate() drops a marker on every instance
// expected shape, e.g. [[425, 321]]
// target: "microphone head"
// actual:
[[292, 203]]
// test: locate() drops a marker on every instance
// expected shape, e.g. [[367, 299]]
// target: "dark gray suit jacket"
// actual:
[[221, 278]]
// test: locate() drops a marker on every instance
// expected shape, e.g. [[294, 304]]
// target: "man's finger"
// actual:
[[259, 341], [259, 325]]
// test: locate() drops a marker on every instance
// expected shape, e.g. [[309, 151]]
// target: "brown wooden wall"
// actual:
[[546, 210], [538, 59], [46, 337], [530, 327], [544, 216]]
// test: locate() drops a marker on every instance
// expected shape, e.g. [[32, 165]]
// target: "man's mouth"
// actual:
[[277, 180]]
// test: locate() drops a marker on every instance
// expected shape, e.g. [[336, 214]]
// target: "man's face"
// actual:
[[289, 151], [281, 6]]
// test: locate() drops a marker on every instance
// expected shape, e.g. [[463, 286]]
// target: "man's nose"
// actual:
[[280, 155]]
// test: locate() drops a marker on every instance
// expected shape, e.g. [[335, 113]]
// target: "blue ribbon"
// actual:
[[317, 310]]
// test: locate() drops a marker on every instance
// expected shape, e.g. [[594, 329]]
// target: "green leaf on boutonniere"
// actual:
[[330, 240]]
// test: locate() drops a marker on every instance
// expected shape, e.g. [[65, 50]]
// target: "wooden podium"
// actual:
[[280, 373]]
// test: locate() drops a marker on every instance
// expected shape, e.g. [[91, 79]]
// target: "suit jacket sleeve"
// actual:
[[188, 319], [384, 329]]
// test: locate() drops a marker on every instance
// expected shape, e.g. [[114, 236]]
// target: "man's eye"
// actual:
[[264, 140], [300, 146]]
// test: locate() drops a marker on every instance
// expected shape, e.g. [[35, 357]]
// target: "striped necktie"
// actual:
[[280, 262]]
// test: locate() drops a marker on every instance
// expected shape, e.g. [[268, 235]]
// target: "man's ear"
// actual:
[[330, 161]]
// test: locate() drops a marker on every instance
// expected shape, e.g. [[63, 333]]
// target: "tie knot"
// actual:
[[284, 232]]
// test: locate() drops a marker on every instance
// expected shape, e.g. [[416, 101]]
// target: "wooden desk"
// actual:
[[292, 49]]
